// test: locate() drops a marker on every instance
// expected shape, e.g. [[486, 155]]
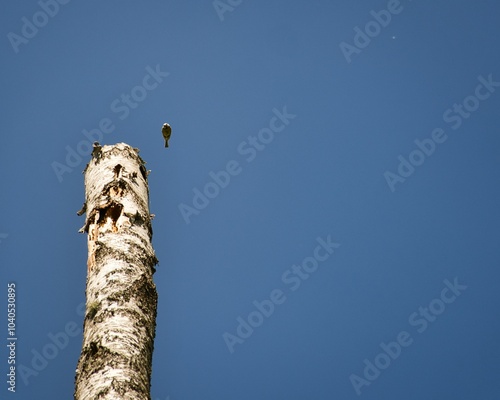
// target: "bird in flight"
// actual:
[[166, 131]]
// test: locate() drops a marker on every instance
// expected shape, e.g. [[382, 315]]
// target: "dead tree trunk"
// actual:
[[120, 318]]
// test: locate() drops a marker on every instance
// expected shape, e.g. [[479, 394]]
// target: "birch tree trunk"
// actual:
[[120, 318]]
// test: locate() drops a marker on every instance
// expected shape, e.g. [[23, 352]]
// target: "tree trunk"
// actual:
[[120, 317]]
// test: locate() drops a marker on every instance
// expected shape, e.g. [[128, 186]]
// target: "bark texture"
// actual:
[[121, 298]]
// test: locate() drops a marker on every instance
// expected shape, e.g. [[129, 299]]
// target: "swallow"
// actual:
[[166, 131]]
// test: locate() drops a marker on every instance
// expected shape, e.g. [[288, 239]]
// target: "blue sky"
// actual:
[[358, 207]]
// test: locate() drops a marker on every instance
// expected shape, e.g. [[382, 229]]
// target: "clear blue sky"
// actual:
[[369, 127]]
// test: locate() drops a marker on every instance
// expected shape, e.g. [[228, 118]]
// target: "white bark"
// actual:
[[119, 326]]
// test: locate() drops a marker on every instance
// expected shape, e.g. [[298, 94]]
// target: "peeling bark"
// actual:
[[120, 318]]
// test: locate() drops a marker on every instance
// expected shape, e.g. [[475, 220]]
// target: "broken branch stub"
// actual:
[[121, 298]]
